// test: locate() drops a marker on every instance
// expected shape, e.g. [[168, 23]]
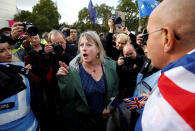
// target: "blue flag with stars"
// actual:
[[92, 11], [146, 7]]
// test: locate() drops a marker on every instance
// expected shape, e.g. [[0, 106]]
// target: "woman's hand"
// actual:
[[106, 112], [63, 70]]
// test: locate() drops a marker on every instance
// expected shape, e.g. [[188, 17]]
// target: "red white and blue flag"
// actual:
[[172, 105], [135, 102]]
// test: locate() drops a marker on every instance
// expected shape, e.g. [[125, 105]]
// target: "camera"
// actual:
[[129, 61], [118, 24], [30, 28], [58, 49], [68, 32], [65, 30], [117, 20]]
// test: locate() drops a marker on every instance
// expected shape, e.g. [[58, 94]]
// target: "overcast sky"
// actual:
[[68, 9]]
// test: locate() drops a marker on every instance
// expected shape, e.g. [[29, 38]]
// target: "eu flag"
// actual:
[[91, 11], [146, 7], [115, 104]]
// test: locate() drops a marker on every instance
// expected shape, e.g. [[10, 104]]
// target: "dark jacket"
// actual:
[[128, 75], [111, 50]]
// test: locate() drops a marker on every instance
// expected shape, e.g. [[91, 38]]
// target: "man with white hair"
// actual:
[[171, 47]]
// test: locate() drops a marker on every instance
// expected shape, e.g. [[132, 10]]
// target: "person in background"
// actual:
[[59, 48], [72, 40], [114, 48], [56, 50], [87, 85], [171, 47], [6, 31], [34, 56], [128, 66], [65, 30], [133, 39], [102, 36], [17, 95], [45, 38]]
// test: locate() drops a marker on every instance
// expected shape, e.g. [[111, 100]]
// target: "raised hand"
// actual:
[[48, 48], [63, 70], [139, 39], [16, 30], [120, 61]]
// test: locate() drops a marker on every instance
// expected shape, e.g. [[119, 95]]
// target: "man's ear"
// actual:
[[168, 39]]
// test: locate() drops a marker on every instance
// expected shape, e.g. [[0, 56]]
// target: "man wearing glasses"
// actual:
[[171, 48]]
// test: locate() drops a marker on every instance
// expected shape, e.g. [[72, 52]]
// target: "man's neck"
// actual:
[[37, 47]]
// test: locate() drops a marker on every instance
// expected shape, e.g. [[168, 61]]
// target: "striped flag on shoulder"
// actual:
[[172, 104]]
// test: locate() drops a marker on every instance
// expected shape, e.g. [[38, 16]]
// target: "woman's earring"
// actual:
[[98, 55], [166, 49]]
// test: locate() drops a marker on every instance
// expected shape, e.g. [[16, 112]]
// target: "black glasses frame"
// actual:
[[146, 34]]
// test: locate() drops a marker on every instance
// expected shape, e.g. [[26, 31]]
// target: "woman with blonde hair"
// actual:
[[87, 85]]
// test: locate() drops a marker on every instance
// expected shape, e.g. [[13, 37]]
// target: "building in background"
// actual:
[[8, 9]]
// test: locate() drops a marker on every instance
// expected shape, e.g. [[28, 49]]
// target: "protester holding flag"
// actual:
[[87, 85], [171, 48]]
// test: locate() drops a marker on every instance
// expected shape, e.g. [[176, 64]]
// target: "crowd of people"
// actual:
[[68, 81]]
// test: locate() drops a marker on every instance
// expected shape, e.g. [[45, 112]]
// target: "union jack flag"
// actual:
[[173, 102], [135, 102]]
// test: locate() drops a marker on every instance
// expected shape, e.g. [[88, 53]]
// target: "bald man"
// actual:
[[171, 47], [129, 50]]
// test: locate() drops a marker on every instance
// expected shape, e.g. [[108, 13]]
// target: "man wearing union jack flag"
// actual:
[[171, 47]]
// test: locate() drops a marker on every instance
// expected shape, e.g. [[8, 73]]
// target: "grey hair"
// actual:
[[45, 35], [92, 35], [55, 33]]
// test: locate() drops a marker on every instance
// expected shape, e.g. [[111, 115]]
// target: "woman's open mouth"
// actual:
[[85, 55]]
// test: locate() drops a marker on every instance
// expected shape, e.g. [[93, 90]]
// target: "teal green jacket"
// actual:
[[73, 96]]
